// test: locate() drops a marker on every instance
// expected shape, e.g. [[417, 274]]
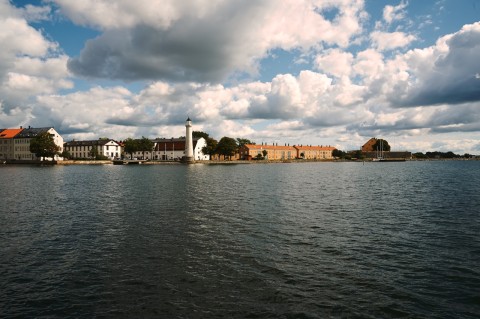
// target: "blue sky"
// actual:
[[291, 71]]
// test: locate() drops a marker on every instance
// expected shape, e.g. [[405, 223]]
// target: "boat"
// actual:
[[380, 156]]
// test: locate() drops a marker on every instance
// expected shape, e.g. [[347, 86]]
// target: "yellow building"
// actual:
[[270, 152], [6, 143], [277, 152], [314, 152]]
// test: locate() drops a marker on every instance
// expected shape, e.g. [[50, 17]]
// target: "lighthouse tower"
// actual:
[[189, 142]]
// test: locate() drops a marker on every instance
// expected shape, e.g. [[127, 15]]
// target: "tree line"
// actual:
[[226, 146]]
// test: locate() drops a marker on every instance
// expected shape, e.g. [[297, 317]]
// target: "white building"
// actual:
[[83, 149], [22, 140], [173, 149]]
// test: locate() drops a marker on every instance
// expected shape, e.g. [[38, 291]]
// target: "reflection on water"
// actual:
[[289, 240]]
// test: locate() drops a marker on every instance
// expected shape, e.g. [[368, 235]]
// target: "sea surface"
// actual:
[[308, 240]]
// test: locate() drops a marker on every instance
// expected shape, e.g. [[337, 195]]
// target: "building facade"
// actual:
[[368, 146], [83, 149], [315, 152], [22, 141], [269, 152], [7, 143], [277, 152], [173, 149]]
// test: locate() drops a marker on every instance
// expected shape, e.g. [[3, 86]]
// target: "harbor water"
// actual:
[[298, 240]]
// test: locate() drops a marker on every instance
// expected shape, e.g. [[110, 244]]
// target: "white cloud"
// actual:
[[205, 41], [335, 62], [390, 40], [394, 13], [29, 63]]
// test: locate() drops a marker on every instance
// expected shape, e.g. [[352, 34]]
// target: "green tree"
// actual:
[[93, 153], [243, 141], [200, 134], [338, 153], [378, 145], [211, 147], [43, 145], [130, 146], [419, 155], [66, 154], [265, 153], [359, 155], [145, 145], [227, 146]]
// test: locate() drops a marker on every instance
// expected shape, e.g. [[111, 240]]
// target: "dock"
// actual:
[[128, 162]]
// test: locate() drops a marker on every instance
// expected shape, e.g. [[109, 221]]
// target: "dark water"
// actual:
[[319, 240]]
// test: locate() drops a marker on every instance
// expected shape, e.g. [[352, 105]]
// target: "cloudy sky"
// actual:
[[326, 72]]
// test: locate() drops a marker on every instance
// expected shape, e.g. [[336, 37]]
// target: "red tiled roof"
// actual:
[[171, 145], [10, 132], [315, 148], [262, 147]]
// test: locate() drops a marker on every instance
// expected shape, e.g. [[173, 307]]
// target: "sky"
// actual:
[[320, 72]]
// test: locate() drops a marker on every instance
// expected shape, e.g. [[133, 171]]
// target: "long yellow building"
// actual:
[[279, 152]]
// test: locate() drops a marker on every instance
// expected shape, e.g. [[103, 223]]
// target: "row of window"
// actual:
[[87, 148], [22, 141]]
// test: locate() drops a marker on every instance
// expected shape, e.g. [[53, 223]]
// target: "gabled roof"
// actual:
[[172, 144], [32, 132], [9, 132]]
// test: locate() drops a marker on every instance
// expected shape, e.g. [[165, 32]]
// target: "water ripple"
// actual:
[[249, 241]]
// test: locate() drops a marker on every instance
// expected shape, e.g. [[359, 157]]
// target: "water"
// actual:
[[310, 240]]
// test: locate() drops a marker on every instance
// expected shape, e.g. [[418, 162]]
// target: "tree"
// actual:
[[93, 153], [243, 141], [211, 147], [145, 145], [265, 153], [43, 145], [200, 134], [66, 154], [381, 145], [420, 155], [359, 155], [338, 153], [130, 146], [227, 146]]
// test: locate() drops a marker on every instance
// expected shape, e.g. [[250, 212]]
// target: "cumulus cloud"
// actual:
[[444, 73], [206, 41], [335, 62], [394, 13], [390, 40], [30, 64]]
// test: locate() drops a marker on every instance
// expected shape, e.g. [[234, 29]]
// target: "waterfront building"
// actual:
[[279, 152], [7, 143], [269, 152], [175, 149], [368, 146], [83, 149], [21, 150], [314, 152]]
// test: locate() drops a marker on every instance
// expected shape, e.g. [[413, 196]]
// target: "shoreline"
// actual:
[[231, 162]]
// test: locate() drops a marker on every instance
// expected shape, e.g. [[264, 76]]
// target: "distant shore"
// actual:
[[227, 162]]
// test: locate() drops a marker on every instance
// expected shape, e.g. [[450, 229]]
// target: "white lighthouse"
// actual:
[[188, 142]]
